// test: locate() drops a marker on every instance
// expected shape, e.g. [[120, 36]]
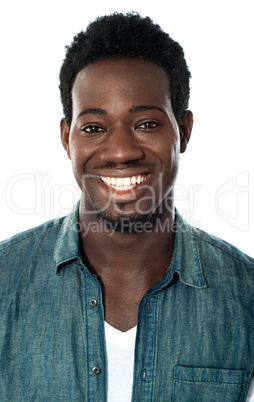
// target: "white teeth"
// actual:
[[123, 183], [126, 181], [106, 180], [119, 181]]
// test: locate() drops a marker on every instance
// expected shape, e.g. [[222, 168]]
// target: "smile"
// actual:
[[123, 183]]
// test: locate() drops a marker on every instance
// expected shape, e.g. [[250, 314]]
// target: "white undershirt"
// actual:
[[120, 353], [250, 396]]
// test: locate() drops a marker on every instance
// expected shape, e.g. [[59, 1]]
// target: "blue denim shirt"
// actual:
[[195, 331]]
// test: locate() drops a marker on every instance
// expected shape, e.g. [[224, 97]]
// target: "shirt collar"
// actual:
[[185, 260], [189, 264], [67, 244], [186, 257]]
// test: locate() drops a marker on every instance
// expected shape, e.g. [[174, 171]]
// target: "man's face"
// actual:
[[124, 141]]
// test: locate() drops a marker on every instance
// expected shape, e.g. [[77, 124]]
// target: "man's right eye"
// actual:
[[92, 129]]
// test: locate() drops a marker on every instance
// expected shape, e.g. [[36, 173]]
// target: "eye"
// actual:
[[148, 125], [92, 129]]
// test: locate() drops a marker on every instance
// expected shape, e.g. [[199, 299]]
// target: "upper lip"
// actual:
[[123, 173]]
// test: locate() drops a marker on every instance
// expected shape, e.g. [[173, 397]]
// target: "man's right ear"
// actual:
[[65, 136]]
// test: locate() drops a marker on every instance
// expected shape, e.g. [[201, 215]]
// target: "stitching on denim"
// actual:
[[210, 381], [156, 347], [68, 259], [201, 273], [86, 331], [104, 371], [190, 284]]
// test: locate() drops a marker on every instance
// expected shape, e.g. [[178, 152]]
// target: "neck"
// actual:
[[126, 265], [128, 255]]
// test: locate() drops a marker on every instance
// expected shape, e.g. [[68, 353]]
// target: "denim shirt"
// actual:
[[195, 331]]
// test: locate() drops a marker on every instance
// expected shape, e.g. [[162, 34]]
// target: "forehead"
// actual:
[[124, 79]]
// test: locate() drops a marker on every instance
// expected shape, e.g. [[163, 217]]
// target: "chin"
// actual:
[[127, 224]]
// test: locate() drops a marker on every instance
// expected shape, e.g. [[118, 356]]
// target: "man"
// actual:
[[72, 288]]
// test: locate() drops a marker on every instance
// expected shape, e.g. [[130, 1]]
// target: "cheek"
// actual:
[[82, 159], [77, 161], [175, 154], [170, 154]]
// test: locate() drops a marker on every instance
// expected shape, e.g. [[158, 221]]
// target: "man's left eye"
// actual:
[[148, 125]]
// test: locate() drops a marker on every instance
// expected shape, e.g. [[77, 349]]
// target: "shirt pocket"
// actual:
[[208, 384]]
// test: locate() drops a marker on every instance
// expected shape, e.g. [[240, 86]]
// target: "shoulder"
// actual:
[[28, 255], [30, 236], [223, 256], [210, 247]]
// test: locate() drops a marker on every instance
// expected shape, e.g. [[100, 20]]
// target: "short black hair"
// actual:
[[126, 36]]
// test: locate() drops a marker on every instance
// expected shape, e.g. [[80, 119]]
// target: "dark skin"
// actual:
[[123, 127]]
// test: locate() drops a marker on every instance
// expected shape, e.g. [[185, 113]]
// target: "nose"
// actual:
[[121, 146]]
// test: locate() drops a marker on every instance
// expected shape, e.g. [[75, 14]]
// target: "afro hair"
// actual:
[[126, 36]]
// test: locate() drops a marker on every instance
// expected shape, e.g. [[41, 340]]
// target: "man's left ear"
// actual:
[[185, 130]]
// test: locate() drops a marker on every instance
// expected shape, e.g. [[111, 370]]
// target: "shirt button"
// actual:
[[96, 370], [93, 302]]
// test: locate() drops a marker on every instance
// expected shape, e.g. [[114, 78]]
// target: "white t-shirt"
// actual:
[[250, 396], [120, 353]]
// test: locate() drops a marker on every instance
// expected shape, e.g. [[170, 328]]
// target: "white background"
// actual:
[[215, 185]]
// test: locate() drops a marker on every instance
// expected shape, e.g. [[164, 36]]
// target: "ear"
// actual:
[[65, 136], [185, 130]]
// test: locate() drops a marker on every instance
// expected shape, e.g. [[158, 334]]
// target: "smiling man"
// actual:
[[122, 300], [126, 146]]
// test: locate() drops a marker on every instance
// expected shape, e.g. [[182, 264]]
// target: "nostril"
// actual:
[[121, 153]]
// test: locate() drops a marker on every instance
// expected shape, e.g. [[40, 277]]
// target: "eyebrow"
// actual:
[[97, 111], [143, 108], [133, 109]]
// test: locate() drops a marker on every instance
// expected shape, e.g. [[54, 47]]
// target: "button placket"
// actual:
[[96, 351], [144, 365]]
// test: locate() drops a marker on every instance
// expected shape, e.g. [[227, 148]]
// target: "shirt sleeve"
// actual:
[[250, 396]]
